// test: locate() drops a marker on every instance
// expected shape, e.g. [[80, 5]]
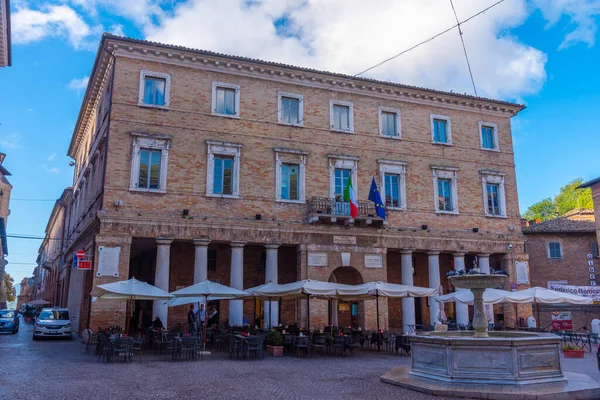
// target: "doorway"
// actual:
[[346, 313]]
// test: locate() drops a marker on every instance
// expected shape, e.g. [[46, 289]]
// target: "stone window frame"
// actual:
[[448, 120], [161, 75], [396, 168], [290, 156], [214, 147], [494, 126], [213, 109], [149, 141], [445, 172], [348, 104], [300, 99], [560, 247], [380, 111], [343, 162], [497, 178]]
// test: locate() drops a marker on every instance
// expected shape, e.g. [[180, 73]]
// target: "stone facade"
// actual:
[[181, 231], [576, 235], [5, 189], [5, 43]]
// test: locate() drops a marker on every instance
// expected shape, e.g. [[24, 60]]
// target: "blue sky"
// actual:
[[539, 52]]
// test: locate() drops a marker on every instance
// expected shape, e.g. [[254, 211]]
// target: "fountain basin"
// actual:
[[503, 358]]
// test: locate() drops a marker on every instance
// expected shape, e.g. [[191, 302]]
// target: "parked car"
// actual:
[[53, 322], [9, 321], [598, 356]]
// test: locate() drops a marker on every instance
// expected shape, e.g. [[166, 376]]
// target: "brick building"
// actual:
[[5, 45], [5, 189], [192, 165], [564, 251], [52, 275]]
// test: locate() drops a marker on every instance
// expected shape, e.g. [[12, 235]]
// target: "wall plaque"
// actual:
[[522, 271], [373, 261], [317, 259], [108, 261], [344, 239]]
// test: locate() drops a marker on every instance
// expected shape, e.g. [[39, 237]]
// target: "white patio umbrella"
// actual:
[[296, 290], [490, 296], [383, 289], [129, 290], [207, 290], [38, 302]]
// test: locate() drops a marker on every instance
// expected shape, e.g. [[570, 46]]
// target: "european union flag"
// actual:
[[375, 197]]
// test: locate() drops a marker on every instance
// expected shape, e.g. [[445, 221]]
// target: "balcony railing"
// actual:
[[322, 209]]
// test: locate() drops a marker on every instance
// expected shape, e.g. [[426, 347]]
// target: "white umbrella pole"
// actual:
[[270, 313], [204, 341]]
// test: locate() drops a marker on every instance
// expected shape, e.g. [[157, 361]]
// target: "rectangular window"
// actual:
[[341, 117], [223, 175], [445, 194], [439, 131], [493, 198], [289, 181], [487, 138], [594, 249], [554, 250], [225, 102], [211, 262], [389, 123], [392, 190], [149, 176], [290, 110], [154, 90], [341, 180]]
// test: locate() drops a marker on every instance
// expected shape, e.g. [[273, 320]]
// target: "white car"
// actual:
[[53, 322]]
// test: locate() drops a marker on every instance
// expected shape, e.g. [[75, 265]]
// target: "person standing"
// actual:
[[201, 318], [191, 319]]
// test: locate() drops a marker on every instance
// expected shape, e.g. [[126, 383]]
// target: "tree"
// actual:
[[542, 210], [11, 293], [571, 198]]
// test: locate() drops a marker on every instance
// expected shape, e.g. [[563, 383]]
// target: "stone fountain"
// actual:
[[489, 365]]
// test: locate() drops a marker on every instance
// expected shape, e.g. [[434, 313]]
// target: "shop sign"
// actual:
[[344, 239], [373, 261], [561, 321], [591, 291], [317, 259]]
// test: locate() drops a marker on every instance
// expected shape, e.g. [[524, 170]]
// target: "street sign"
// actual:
[[31, 282], [589, 256], [84, 264], [514, 287], [80, 254]]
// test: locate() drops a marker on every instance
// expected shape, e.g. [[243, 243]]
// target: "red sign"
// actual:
[[80, 254], [84, 264]]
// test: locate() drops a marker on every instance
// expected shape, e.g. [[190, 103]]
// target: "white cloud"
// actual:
[[140, 12], [51, 156], [78, 84], [352, 36], [117, 29], [582, 14], [52, 170], [10, 141], [29, 25]]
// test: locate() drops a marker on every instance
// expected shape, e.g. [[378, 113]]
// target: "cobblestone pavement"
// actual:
[[52, 369]]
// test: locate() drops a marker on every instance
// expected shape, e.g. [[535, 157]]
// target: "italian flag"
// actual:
[[350, 197]]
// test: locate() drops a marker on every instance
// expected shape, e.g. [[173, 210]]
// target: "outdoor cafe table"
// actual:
[[583, 339]]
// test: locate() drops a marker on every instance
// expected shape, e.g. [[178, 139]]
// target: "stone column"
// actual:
[[433, 257], [201, 260], [484, 267], [271, 276], [236, 307], [462, 310], [161, 277], [408, 304]]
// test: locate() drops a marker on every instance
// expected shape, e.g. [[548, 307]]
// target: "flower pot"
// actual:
[[573, 353], [276, 351], [28, 319]]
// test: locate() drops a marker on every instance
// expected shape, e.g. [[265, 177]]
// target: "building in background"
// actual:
[[194, 165], [5, 189], [52, 272], [5, 45], [25, 292], [563, 255]]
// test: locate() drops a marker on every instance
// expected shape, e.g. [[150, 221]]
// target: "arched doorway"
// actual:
[[346, 313]]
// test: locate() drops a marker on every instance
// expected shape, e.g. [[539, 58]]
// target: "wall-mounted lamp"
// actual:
[[258, 216], [185, 212], [424, 227], [475, 230], [71, 163]]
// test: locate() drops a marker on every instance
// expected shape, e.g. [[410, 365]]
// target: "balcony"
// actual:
[[332, 211]]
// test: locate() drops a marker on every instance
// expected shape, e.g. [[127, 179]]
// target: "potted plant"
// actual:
[[572, 351], [28, 313], [274, 343]]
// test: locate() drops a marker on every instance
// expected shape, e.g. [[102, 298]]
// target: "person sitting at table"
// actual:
[[157, 323]]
